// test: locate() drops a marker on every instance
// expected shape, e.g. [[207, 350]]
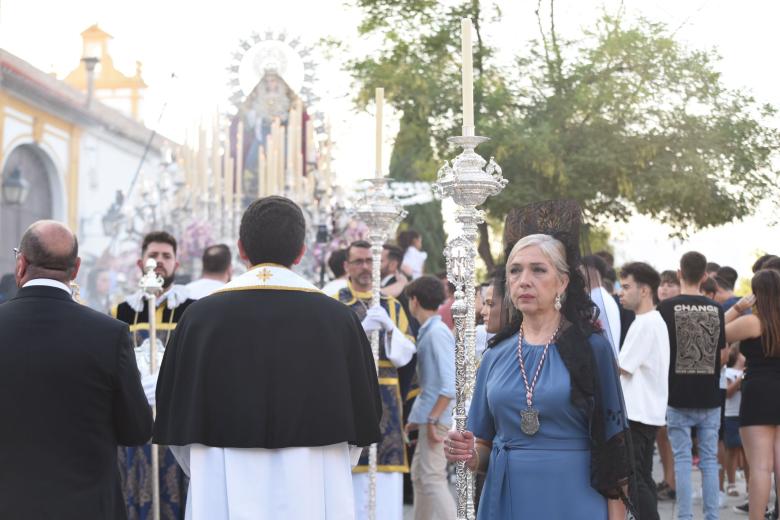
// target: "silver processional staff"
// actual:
[[151, 284]]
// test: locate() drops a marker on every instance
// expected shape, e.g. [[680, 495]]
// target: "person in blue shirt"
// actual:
[[432, 410]]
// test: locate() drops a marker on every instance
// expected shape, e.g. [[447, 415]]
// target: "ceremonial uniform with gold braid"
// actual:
[[135, 464], [391, 450]]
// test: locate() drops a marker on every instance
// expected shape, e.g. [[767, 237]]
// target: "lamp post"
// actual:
[[15, 188], [90, 62]]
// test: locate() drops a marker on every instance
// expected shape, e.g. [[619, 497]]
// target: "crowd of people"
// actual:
[[699, 372], [268, 397]]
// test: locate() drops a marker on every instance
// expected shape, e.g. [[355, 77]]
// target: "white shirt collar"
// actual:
[[175, 296], [48, 282]]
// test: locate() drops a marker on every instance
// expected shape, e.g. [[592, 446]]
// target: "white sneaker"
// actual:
[[721, 499]]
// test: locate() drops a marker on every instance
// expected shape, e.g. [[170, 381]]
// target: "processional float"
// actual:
[[381, 213], [469, 181], [151, 285]]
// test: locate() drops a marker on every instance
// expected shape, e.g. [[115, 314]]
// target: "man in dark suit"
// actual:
[[70, 391]]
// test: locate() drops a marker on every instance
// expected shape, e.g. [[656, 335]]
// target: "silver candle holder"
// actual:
[[381, 213], [151, 285], [469, 182]]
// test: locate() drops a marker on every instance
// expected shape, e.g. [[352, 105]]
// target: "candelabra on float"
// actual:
[[382, 214], [469, 181]]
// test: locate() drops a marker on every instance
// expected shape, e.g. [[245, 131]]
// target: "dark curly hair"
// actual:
[[578, 309]]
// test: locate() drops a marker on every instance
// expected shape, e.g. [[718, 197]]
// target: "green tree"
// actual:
[[418, 64], [412, 160], [624, 119]]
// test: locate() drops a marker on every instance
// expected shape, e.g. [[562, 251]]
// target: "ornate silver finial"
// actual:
[[469, 181], [382, 213], [151, 283]]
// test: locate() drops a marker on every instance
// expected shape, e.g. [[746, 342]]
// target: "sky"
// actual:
[[195, 41]]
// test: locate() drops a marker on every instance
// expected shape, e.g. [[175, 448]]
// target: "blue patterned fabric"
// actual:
[[391, 450], [135, 463], [135, 469]]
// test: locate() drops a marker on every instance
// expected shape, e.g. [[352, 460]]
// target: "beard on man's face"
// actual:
[[364, 277], [168, 280]]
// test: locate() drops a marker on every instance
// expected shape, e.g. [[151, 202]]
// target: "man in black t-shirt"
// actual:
[[696, 338]]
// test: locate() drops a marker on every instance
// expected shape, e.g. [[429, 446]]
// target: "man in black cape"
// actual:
[[268, 387]]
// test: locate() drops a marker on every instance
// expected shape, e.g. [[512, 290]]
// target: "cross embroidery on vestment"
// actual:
[[264, 275]]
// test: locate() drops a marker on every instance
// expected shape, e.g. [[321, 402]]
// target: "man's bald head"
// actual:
[[51, 251]]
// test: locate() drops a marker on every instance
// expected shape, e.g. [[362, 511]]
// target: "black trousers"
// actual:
[[642, 488]]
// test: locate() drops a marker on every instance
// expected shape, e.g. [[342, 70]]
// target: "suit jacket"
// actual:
[[70, 393]]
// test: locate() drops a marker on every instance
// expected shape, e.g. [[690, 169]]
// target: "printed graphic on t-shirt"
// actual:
[[698, 331]]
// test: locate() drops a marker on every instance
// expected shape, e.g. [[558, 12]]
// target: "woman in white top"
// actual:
[[410, 242]]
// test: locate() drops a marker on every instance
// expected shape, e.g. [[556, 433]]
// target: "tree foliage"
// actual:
[[413, 160], [625, 118]]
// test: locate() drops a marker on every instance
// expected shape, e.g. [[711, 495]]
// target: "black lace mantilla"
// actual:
[[611, 461], [558, 218]]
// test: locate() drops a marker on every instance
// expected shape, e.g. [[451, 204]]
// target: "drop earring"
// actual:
[[558, 303]]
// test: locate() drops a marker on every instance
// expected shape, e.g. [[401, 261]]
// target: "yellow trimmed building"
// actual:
[[65, 154], [112, 87]]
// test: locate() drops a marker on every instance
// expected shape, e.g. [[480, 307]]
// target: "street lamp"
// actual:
[[15, 188], [90, 62], [114, 217]]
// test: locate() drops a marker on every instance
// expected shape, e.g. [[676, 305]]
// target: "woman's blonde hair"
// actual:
[[550, 246]]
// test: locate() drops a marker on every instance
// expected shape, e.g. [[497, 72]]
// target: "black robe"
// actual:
[[268, 368]]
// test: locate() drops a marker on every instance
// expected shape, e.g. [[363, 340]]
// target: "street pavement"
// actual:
[[667, 509]]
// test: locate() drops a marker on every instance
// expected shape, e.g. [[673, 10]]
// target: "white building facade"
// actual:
[[71, 153]]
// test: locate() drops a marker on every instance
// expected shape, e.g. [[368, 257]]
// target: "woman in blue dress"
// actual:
[[547, 421]]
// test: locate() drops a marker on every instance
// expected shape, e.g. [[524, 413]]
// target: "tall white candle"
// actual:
[[380, 101], [270, 168], [467, 73], [288, 163], [261, 177], [227, 178], [280, 162], [240, 163], [203, 161], [214, 187]]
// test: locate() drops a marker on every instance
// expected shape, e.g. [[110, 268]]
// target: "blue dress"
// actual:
[[546, 475]]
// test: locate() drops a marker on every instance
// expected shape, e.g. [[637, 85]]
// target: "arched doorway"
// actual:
[[37, 169]]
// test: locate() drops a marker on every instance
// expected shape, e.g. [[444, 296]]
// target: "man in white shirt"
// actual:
[[217, 271], [609, 312], [644, 371]]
